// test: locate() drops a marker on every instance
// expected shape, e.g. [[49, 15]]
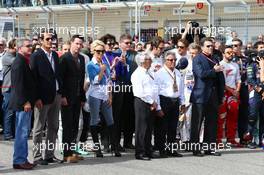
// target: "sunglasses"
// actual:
[[229, 53], [100, 51], [34, 39], [1, 45], [208, 46], [28, 46], [235, 45], [171, 60], [182, 47], [128, 43], [48, 39]]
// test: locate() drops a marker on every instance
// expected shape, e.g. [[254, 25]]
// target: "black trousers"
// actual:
[[143, 127], [70, 123], [242, 126], [209, 113], [166, 127], [124, 116]]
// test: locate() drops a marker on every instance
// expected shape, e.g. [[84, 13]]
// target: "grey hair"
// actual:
[[140, 58], [3, 40], [169, 53], [195, 46], [20, 42]]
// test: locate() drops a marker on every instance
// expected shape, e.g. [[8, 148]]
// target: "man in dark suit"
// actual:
[[73, 96], [22, 101], [123, 99], [45, 67], [206, 97]]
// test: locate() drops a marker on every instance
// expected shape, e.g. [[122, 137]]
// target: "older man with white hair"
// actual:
[[145, 103]]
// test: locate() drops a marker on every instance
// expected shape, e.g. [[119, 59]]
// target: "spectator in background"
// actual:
[[139, 47], [65, 48], [2, 53], [261, 37], [7, 61], [156, 51], [249, 46], [233, 35], [22, 101]]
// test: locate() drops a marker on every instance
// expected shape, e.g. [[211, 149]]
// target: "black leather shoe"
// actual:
[[210, 153], [40, 162], [54, 160], [121, 149], [198, 154], [142, 157]]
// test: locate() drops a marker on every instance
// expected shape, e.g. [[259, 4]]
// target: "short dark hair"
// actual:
[[238, 40], [258, 43], [205, 39], [155, 42], [76, 36], [108, 37], [227, 47], [184, 41], [125, 36]]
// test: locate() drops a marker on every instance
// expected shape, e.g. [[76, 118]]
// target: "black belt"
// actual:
[[177, 99]]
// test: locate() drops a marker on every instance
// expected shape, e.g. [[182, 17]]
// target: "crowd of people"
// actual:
[[192, 92]]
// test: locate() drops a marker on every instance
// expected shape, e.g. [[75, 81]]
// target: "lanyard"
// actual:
[[210, 59], [175, 87], [150, 74]]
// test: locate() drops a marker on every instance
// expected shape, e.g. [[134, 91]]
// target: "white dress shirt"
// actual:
[[143, 86], [164, 82], [50, 58], [1, 66]]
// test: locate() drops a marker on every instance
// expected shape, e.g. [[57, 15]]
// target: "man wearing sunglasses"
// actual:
[[45, 67], [244, 95], [206, 96], [22, 101], [181, 50], [156, 48], [228, 111], [123, 98]]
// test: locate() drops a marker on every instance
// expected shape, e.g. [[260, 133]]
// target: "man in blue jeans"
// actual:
[[22, 102]]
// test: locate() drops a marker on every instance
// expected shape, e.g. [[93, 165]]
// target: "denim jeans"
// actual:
[[23, 124], [96, 106], [8, 116]]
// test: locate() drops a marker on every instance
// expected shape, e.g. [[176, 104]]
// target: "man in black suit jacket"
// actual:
[[206, 97], [22, 101], [45, 67], [73, 96]]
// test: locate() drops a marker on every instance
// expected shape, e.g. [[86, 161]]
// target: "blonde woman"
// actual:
[[100, 96]]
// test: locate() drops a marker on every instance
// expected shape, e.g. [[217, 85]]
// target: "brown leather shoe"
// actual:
[[78, 157], [24, 166], [70, 159]]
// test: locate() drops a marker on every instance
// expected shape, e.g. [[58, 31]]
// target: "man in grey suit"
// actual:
[[45, 67]]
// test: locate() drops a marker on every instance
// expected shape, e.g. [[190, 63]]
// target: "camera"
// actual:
[[194, 24], [261, 54], [252, 56]]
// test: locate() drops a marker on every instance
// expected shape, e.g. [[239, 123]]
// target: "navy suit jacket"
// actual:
[[205, 78], [45, 76]]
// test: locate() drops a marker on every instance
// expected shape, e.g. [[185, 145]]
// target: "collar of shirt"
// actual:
[[169, 70], [95, 61], [49, 55]]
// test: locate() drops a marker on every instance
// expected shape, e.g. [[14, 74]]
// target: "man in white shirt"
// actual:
[[171, 95], [145, 103], [181, 50], [229, 109]]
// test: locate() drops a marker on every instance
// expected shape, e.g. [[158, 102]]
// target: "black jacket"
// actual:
[[205, 78], [72, 78], [45, 76], [23, 84]]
